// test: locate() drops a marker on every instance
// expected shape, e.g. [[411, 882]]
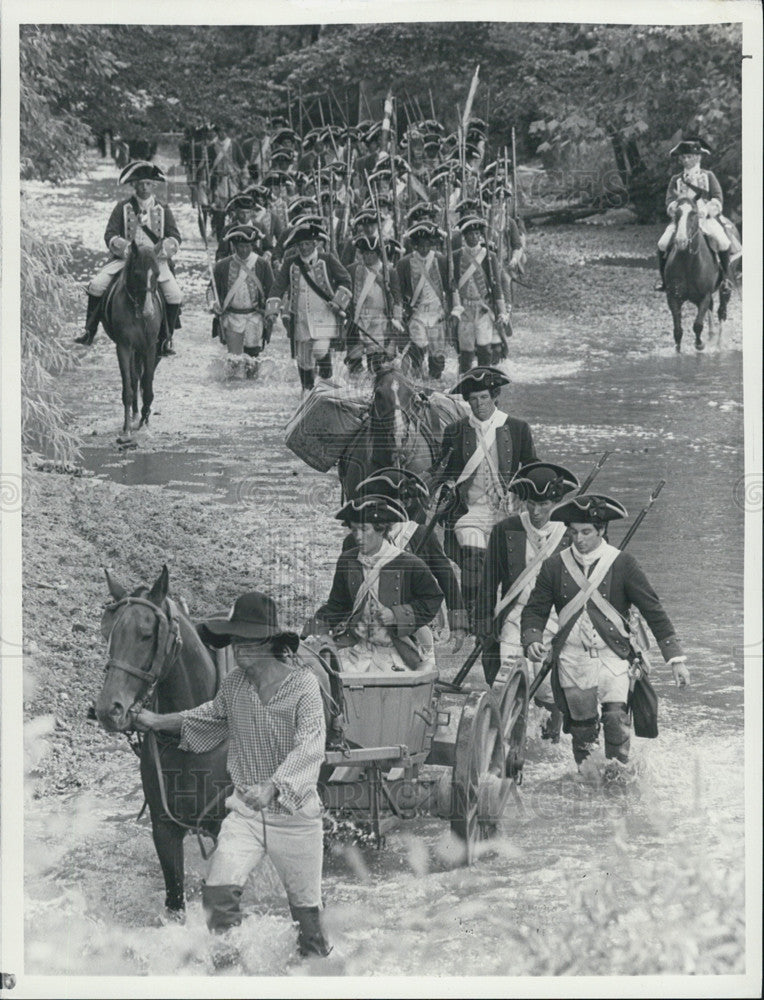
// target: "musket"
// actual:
[[299, 109], [515, 190], [383, 253], [465, 668], [452, 291], [348, 190], [393, 172], [203, 228], [549, 660], [445, 492], [432, 104], [332, 231], [289, 107]]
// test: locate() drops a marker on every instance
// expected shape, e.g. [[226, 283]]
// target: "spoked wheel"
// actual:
[[512, 694], [479, 789]]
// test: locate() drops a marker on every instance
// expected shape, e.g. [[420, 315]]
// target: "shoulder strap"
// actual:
[[588, 587], [311, 283], [532, 568]]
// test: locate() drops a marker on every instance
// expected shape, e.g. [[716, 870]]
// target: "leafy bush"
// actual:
[[47, 298]]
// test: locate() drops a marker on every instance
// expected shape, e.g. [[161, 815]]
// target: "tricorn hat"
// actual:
[[253, 616], [367, 244], [471, 222], [591, 508], [372, 509], [283, 134], [244, 199], [306, 228], [366, 215], [691, 144], [479, 378], [400, 484], [243, 234], [422, 210], [424, 229], [141, 170], [540, 481]]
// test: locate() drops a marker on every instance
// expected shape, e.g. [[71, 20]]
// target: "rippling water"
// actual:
[[571, 855]]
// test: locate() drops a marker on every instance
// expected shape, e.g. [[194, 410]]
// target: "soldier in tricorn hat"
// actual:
[[592, 586], [516, 549], [149, 223]]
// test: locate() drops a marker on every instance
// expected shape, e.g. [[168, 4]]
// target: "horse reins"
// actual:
[[168, 645]]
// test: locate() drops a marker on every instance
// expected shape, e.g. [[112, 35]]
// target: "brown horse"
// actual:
[[693, 274], [132, 317], [156, 658], [404, 429]]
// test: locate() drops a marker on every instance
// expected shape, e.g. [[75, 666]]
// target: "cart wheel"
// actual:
[[478, 789], [512, 695]]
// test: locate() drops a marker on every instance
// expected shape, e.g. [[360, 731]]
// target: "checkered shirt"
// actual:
[[282, 741]]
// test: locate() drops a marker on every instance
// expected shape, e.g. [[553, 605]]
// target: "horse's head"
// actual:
[[142, 641], [392, 408], [686, 222], [141, 272]]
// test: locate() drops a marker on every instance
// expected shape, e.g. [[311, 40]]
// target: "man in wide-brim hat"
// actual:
[[704, 188], [517, 547], [148, 222], [593, 645], [482, 299], [382, 598], [271, 711], [480, 454], [319, 291], [243, 283]]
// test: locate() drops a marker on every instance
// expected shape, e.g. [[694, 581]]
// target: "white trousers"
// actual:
[[293, 843], [167, 283], [588, 679], [473, 528], [370, 658], [711, 227], [427, 330], [476, 327], [511, 649]]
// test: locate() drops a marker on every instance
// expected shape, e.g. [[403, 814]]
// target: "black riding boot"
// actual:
[[436, 364], [471, 565], [221, 906], [311, 939], [660, 286], [466, 361], [92, 319], [164, 346], [617, 730], [483, 355], [307, 378], [724, 260], [325, 366], [584, 734]]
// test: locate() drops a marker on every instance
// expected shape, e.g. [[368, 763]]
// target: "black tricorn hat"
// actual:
[[305, 228], [400, 484], [367, 244], [691, 144], [422, 210], [141, 170], [471, 222], [244, 199], [372, 509], [243, 234], [253, 616], [479, 378], [591, 508], [540, 481], [424, 229]]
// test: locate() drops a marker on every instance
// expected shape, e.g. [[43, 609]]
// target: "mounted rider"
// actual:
[[592, 585], [243, 283], [148, 222], [701, 185]]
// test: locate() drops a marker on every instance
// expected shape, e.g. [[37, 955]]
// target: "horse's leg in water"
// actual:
[[675, 305], [697, 327], [135, 377], [168, 841], [124, 357], [147, 387]]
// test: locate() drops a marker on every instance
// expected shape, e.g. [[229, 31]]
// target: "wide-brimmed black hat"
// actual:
[[540, 481], [479, 378], [243, 199], [400, 484], [691, 144], [253, 616], [141, 170], [366, 215], [372, 509], [591, 508], [243, 233], [300, 205], [372, 131], [283, 155]]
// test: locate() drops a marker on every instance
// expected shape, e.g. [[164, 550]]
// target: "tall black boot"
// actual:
[[724, 260], [307, 378], [311, 939], [483, 355], [221, 906], [498, 353], [325, 366], [660, 286], [471, 566], [617, 729], [164, 344], [92, 319], [466, 361], [435, 364], [584, 735]]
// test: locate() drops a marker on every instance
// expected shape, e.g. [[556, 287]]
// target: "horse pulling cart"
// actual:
[[410, 748]]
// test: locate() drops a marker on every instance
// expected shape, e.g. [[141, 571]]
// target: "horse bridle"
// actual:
[[168, 645], [693, 242]]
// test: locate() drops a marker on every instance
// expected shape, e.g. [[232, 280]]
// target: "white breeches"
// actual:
[[476, 327], [511, 649], [473, 528], [427, 330], [242, 330], [295, 845], [369, 658], [711, 227], [307, 352], [167, 283], [606, 672]]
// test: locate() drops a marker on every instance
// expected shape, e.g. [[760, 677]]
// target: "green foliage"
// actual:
[[47, 296]]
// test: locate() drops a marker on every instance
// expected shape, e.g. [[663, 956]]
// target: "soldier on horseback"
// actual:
[[702, 185], [147, 222]]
